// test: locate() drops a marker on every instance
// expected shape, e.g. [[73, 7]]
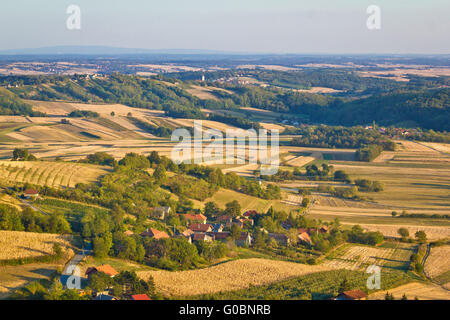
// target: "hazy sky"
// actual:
[[279, 26]]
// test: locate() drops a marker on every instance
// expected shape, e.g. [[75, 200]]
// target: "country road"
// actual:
[[27, 203], [426, 254], [71, 267]]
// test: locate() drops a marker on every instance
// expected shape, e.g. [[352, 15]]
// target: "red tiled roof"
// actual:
[[353, 294], [151, 232], [140, 297], [223, 218], [106, 268], [250, 213], [200, 236], [31, 191], [221, 235], [305, 237], [200, 227], [194, 217], [187, 232]]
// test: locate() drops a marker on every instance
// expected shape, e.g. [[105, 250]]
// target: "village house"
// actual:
[[128, 233], [105, 297], [30, 194], [186, 234], [280, 238], [245, 239], [202, 237], [224, 219], [154, 233], [238, 222], [304, 237], [106, 269], [352, 295], [194, 218], [201, 227], [140, 297], [217, 227], [246, 220], [323, 229], [220, 236], [250, 213]]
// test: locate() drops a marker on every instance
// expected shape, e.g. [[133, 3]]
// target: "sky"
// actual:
[[253, 26]]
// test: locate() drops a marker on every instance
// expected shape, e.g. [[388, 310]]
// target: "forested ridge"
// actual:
[[412, 105]]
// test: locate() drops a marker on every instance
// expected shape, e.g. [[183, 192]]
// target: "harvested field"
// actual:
[[272, 126], [433, 233], [389, 255], [205, 92], [299, 161], [54, 174], [15, 277], [319, 90], [64, 108], [18, 244], [233, 275], [358, 257], [11, 201], [438, 262], [441, 147], [423, 291]]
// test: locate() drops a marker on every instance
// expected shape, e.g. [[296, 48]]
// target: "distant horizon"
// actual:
[[184, 51]]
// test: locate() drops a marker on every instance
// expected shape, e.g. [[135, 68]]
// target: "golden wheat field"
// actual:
[[423, 291], [438, 262], [18, 244], [53, 174], [233, 275]]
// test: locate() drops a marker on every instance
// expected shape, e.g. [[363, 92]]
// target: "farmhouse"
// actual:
[[323, 229], [201, 227], [220, 236], [304, 237], [154, 233], [245, 239], [224, 219], [31, 194], [280, 238], [238, 222], [217, 227], [105, 297], [202, 237], [352, 295], [250, 213], [106, 268], [140, 297]]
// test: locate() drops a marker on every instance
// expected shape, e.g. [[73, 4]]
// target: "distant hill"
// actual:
[[103, 50]]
